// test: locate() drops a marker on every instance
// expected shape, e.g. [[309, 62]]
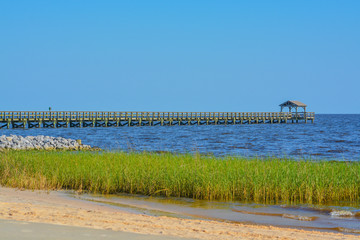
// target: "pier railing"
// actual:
[[82, 115]]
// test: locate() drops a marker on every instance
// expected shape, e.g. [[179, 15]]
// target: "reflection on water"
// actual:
[[329, 218], [331, 136]]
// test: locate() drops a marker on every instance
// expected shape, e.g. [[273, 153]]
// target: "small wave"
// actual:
[[238, 147], [182, 136], [290, 216], [299, 217], [317, 154], [342, 213], [347, 230], [337, 151]]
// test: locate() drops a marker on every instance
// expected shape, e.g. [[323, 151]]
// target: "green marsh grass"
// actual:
[[263, 180]]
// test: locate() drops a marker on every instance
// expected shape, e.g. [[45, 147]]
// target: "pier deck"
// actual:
[[53, 119]]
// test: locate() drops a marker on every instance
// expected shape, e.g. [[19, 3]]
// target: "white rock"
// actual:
[[39, 142]]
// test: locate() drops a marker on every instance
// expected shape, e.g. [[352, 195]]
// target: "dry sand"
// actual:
[[52, 207]]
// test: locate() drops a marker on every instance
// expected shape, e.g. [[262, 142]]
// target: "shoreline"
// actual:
[[51, 207]]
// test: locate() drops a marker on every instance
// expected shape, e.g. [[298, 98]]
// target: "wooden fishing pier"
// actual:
[[65, 119], [118, 119]]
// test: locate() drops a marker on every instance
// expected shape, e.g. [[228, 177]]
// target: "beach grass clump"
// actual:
[[263, 180]]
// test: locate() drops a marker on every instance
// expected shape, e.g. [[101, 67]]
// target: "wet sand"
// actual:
[[19, 230], [53, 208]]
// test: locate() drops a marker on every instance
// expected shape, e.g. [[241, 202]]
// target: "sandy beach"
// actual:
[[51, 207]]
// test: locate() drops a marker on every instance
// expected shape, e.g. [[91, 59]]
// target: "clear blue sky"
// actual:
[[180, 55]]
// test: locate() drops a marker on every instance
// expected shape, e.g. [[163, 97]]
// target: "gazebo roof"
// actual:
[[291, 103]]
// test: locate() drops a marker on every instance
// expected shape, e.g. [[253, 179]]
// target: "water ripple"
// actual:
[[331, 136]]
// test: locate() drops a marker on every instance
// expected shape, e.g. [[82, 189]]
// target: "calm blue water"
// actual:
[[331, 137]]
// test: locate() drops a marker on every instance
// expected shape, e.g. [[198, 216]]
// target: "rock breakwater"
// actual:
[[16, 142]]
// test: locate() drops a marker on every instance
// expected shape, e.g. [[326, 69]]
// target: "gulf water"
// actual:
[[332, 137]]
